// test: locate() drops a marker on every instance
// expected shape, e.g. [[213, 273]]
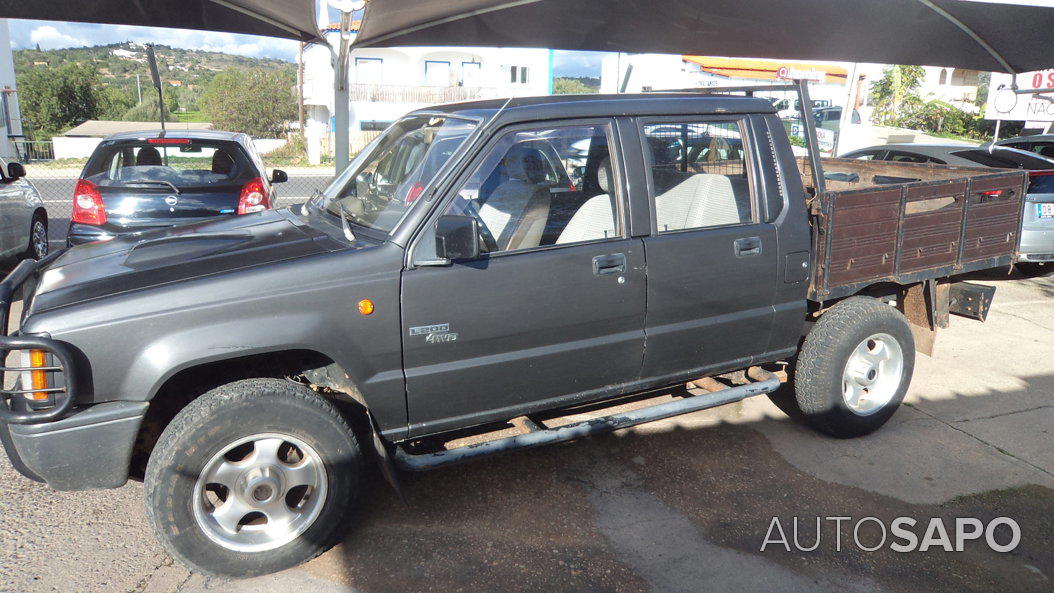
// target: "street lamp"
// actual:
[[340, 82]]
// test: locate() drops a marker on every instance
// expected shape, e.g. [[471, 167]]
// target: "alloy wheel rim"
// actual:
[[40, 240], [260, 492], [873, 373]]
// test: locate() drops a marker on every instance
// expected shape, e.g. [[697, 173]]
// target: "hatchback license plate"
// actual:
[[1046, 210]]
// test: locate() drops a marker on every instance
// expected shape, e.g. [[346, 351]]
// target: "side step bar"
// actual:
[[546, 436]]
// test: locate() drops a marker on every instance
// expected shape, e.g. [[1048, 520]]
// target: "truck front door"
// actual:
[[553, 310], [712, 265]]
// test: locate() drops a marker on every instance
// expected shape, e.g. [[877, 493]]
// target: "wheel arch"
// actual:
[[182, 385]]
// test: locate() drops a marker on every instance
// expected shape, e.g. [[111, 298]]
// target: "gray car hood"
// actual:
[[179, 253]]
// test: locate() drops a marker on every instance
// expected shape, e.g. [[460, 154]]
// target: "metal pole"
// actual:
[[997, 122], [813, 143], [847, 111], [341, 107]]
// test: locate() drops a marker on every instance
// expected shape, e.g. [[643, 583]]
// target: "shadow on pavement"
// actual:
[[674, 508]]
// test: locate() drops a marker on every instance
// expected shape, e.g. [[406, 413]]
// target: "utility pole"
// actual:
[[138, 87], [300, 84]]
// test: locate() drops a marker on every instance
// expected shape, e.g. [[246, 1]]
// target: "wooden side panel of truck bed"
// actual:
[[934, 221]]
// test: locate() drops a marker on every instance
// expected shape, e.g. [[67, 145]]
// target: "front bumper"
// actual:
[[58, 441], [90, 447]]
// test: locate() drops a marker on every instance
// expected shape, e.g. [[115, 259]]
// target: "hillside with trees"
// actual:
[[61, 88]]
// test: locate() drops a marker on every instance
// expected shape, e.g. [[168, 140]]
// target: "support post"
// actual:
[[809, 124]]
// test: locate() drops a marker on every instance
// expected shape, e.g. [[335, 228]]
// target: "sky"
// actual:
[[57, 34]]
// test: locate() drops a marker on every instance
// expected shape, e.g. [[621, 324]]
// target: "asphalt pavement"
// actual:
[[680, 505]]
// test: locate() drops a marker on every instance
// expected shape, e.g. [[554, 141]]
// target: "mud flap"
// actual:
[[384, 459]]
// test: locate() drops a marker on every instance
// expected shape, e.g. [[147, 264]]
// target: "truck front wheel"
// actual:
[[252, 477], [854, 367]]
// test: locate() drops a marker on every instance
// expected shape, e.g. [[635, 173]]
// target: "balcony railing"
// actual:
[[388, 93]]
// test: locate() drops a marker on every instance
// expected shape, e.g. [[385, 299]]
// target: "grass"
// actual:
[[191, 116]]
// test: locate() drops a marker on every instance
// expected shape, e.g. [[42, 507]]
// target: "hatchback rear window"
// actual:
[[1005, 159], [186, 164], [1041, 184]]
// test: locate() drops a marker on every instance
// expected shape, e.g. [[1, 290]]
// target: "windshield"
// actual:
[[389, 174], [183, 163]]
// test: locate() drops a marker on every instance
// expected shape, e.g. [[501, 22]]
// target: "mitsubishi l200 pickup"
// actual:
[[479, 265]]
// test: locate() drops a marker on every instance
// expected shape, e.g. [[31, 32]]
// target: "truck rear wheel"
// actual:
[[854, 367], [252, 477]]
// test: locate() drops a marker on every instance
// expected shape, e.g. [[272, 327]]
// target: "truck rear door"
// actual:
[[713, 263]]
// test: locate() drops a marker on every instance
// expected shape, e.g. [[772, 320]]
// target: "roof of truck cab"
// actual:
[[192, 134], [572, 106]]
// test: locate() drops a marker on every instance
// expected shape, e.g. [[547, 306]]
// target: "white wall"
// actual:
[[7, 81], [73, 147]]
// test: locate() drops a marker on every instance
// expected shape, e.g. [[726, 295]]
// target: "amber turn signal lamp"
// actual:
[[38, 358], [365, 306]]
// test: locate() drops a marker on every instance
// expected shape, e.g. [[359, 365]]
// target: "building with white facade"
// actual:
[[10, 114], [386, 83], [956, 86]]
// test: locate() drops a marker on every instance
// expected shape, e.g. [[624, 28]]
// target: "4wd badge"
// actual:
[[434, 334]]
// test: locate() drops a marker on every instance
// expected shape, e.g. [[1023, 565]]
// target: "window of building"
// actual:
[[369, 70], [470, 74], [518, 74], [437, 73], [699, 174]]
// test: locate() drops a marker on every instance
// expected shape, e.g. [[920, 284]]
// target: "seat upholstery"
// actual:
[[595, 219], [148, 156], [222, 162], [516, 211], [701, 200]]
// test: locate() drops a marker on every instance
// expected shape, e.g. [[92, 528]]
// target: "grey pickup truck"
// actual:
[[479, 272]]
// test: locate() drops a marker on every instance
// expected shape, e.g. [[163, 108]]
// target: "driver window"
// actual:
[[543, 187]]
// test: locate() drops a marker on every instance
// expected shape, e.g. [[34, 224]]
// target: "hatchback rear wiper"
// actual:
[[158, 182]]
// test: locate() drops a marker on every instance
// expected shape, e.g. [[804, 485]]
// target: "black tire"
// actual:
[[825, 355], [223, 416], [1034, 269], [33, 251]]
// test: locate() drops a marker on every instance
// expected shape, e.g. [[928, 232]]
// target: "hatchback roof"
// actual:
[[192, 134]]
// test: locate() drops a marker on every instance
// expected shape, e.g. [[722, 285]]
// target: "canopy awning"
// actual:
[[958, 33], [292, 19]]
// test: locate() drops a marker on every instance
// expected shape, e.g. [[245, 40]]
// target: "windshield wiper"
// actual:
[[157, 182], [345, 218]]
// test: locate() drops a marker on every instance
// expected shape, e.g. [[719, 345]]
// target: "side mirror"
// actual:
[[279, 176], [457, 237], [15, 171]]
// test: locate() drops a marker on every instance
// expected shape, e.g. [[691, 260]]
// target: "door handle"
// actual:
[[747, 246], [614, 263]]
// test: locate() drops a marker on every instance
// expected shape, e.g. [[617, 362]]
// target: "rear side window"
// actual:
[[1041, 183], [911, 157], [699, 175], [181, 162]]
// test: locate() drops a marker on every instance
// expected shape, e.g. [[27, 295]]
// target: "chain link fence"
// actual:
[[55, 181]]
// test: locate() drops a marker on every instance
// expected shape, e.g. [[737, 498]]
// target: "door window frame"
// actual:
[[746, 132], [452, 189]]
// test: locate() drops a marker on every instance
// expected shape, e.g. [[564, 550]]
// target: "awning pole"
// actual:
[[341, 106]]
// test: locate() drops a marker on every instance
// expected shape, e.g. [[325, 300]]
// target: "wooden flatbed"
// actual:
[[904, 223]]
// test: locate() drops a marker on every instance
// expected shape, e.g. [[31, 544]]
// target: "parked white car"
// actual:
[[23, 219]]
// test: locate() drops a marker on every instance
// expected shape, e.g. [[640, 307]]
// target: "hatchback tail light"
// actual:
[[87, 204], [254, 197]]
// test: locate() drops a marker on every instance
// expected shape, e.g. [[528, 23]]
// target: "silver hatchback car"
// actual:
[[1036, 254], [23, 219]]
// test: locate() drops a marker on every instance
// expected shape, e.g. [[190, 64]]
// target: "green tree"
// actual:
[[56, 99], [570, 86], [113, 102], [897, 89], [171, 98], [254, 101]]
